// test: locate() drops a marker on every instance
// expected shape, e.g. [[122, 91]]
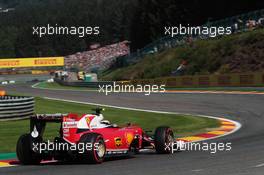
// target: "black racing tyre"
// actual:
[[163, 140], [25, 154], [96, 153]]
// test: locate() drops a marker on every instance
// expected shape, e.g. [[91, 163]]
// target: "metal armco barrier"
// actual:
[[13, 107], [84, 84], [225, 80]]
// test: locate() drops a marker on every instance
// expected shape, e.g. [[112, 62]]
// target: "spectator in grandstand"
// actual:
[[190, 41], [240, 24], [261, 22], [235, 28], [181, 69], [251, 24], [155, 49], [102, 57]]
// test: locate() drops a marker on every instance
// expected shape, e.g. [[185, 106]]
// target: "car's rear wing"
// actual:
[[38, 121], [48, 117]]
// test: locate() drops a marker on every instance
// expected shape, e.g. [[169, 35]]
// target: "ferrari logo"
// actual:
[[118, 141], [88, 120]]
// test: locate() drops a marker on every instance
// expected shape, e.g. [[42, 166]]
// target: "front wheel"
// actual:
[[96, 148], [163, 139]]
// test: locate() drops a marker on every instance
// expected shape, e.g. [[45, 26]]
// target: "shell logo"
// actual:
[[118, 141], [129, 137]]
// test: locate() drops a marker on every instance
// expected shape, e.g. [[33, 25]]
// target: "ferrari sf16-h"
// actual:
[[102, 139]]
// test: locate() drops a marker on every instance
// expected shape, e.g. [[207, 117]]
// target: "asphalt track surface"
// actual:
[[245, 158], [24, 77]]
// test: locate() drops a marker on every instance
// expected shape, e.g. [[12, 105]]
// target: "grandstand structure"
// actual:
[[239, 23], [99, 58]]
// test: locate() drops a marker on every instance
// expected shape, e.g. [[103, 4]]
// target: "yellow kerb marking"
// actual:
[[217, 132], [227, 127], [192, 138], [226, 123], [3, 164]]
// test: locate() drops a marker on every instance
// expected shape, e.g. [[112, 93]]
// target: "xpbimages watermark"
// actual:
[[80, 31], [197, 146], [117, 88], [211, 31], [54, 146]]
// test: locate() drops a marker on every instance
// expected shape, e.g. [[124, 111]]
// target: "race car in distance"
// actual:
[[98, 139]]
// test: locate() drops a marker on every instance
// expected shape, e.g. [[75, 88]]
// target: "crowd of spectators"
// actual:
[[251, 24], [99, 58], [237, 24]]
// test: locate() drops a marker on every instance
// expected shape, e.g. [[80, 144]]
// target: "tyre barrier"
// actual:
[[16, 107]]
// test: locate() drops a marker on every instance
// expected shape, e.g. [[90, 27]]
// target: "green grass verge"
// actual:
[[227, 54], [181, 124]]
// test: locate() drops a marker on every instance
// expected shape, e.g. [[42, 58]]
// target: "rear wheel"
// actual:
[[24, 151], [96, 148], [164, 139]]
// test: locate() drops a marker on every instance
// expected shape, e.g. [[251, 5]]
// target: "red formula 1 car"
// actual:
[[88, 138]]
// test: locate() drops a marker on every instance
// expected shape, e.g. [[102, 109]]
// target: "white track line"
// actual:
[[238, 125], [259, 165], [5, 166], [34, 86]]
